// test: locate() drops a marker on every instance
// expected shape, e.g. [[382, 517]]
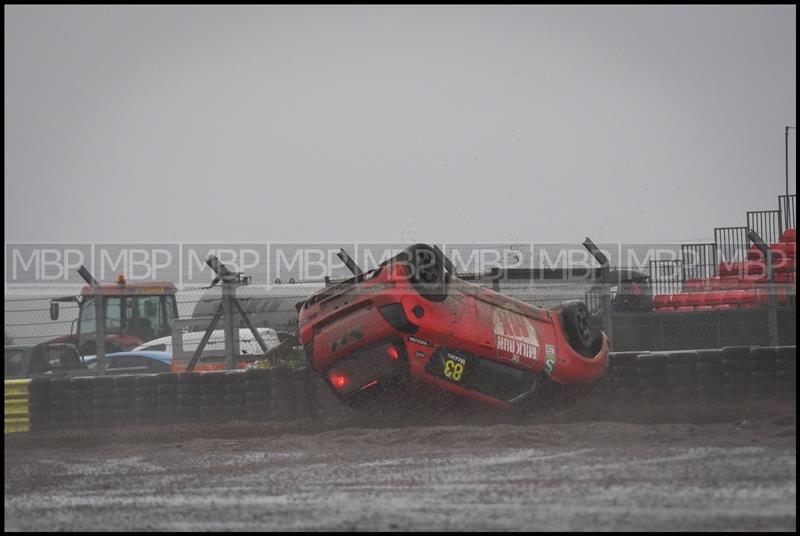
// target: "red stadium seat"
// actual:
[[788, 236], [732, 282], [715, 298], [728, 268], [761, 298], [680, 300], [787, 248], [733, 297], [754, 254], [783, 294], [694, 285], [661, 301], [749, 268], [696, 299], [741, 298], [786, 265], [740, 269], [785, 277]]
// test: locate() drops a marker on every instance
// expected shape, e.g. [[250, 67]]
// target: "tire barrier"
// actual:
[[17, 416], [257, 395], [282, 395], [758, 372]]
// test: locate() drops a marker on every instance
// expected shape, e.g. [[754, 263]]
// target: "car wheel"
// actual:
[[581, 334], [427, 272]]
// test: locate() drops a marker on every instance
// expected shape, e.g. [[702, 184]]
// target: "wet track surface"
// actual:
[[547, 476]]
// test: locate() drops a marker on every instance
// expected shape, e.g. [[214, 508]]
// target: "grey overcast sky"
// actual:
[[394, 123]]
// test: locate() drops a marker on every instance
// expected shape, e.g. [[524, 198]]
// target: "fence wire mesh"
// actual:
[[634, 327]]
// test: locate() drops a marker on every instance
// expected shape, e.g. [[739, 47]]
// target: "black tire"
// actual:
[[103, 383], [623, 359], [684, 375], [166, 378], [124, 382], [581, 334], [145, 381], [625, 372], [257, 376], [653, 360], [102, 403], [709, 357], [167, 390], [39, 387], [762, 376], [427, 272]]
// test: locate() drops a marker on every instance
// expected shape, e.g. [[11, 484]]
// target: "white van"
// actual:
[[247, 343]]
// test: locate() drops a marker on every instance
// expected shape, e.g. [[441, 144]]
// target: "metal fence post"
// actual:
[[772, 305], [605, 304], [605, 292], [228, 291], [99, 319], [100, 323]]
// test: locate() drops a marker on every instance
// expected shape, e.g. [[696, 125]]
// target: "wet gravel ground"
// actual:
[[536, 476]]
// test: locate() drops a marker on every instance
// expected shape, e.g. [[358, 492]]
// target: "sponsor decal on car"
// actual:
[[549, 358], [419, 341], [515, 338]]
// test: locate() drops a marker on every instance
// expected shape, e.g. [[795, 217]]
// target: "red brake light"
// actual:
[[338, 380], [393, 353]]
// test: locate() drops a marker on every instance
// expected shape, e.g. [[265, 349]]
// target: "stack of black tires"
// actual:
[[735, 371]]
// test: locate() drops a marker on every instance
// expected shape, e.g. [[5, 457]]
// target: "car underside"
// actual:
[[411, 323]]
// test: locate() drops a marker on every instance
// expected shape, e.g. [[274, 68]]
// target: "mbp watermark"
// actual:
[[46, 264], [34, 266]]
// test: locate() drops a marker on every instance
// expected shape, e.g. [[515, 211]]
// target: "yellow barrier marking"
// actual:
[[17, 409]]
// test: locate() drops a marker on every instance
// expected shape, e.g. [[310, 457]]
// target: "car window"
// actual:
[[87, 319], [13, 364], [63, 357], [113, 315], [40, 362]]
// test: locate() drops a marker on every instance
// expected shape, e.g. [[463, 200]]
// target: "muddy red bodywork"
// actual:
[[499, 339]]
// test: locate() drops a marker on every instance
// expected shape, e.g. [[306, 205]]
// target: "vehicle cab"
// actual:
[[134, 313]]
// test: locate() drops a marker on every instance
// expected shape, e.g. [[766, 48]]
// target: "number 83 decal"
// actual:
[[453, 370]]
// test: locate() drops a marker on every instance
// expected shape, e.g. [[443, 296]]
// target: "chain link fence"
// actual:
[[27, 318], [632, 327]]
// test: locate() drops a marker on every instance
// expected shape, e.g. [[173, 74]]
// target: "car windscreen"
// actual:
[[14, 363]]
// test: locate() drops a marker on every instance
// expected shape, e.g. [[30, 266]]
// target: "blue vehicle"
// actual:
[[133, 362]]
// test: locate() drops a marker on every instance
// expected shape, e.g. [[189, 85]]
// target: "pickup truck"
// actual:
[[61, 360], [47, 360]]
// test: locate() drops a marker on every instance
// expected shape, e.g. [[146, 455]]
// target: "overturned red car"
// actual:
[[411, 320]]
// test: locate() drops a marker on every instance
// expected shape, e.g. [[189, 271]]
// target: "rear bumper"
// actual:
[[371, 369], [393, 361]]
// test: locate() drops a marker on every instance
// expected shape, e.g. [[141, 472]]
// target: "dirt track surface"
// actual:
[[569, 476]]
